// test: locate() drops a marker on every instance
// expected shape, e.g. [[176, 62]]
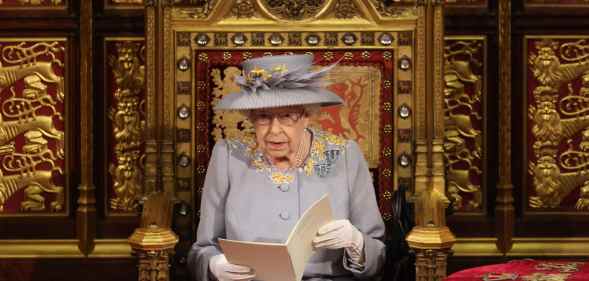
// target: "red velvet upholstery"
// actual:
[[526, 270]]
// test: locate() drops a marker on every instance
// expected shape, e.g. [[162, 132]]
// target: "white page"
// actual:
[[281, 262]]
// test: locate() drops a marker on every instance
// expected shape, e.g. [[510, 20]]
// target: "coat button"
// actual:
[[285, 215], [284, 187]]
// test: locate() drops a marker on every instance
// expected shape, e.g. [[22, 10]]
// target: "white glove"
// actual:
[[225, 271], [341, 234]]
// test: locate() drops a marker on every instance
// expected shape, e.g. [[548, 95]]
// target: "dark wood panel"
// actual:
[[111, 269]]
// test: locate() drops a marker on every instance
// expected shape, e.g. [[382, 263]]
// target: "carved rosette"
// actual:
[[463, 98], [32, 142], [127, 81], [558, 116]]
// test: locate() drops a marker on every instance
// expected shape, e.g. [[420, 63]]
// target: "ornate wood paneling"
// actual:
[[32, 3], [125, 86], [32, 126], [556, 112], [556, 3], [123, 4], [465, 93]]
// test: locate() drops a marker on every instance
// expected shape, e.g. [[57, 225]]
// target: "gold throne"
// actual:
[[389, 75]]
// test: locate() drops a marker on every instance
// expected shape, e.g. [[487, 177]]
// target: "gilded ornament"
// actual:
[[368, 38], [394, 11], [345, 9], [295, 39], [348, 56], [203, 57], [312, 39], [32, 166], [202, 39], [220, 39], [404, 63], [539, 276], [331, 38], [227, 56], [385, 39], [258, 38], [239, 39], [243, 9], [328, 56], [462, 140], [349, 39], [128, 124], [294, 9], [387, 195], [200, 11]]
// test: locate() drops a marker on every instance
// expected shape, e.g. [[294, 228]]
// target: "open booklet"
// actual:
[[276, 261]]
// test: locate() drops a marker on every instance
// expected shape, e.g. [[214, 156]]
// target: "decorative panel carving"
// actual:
[[123, 4], [557, 122], [32, 126], [126, 111], [464, 76], [32, 3], [556, 3]]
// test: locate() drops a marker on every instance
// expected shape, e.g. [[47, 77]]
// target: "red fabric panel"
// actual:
[[526, 270]]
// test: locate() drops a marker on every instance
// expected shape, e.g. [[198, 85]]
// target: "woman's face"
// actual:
[[279, 130]]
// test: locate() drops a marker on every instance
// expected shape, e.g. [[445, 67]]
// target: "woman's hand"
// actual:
[[341, 234], [225, 271]]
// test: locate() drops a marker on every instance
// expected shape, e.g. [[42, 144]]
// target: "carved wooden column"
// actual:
[[86, 212], [504, 211], [153, 243], [431, 239]]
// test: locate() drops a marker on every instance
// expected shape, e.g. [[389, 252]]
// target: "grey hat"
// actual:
[[277, 81]]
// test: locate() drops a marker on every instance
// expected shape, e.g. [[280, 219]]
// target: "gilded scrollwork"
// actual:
[[31, 125], [294, 9], [243, 9], [463, 136], [198, 10], [396, 11], [128, 124], [559, 115]]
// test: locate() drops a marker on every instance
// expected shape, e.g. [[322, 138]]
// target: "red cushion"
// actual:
[[526, 270]]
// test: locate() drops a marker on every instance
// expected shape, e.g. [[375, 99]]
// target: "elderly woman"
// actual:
[[257, 190]]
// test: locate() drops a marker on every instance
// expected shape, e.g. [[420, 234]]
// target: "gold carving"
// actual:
[[127, 1], [243, 9], [294, 9], [36, 2], [394, 11], [557, 119], [32, 166], [463, 142], [345, 9], [538, 276], [201, 11], [128, 125]]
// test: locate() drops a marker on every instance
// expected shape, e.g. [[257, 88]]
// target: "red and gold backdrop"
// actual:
[[125, 105], [464, 97], [557, 119], [32, 127]]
